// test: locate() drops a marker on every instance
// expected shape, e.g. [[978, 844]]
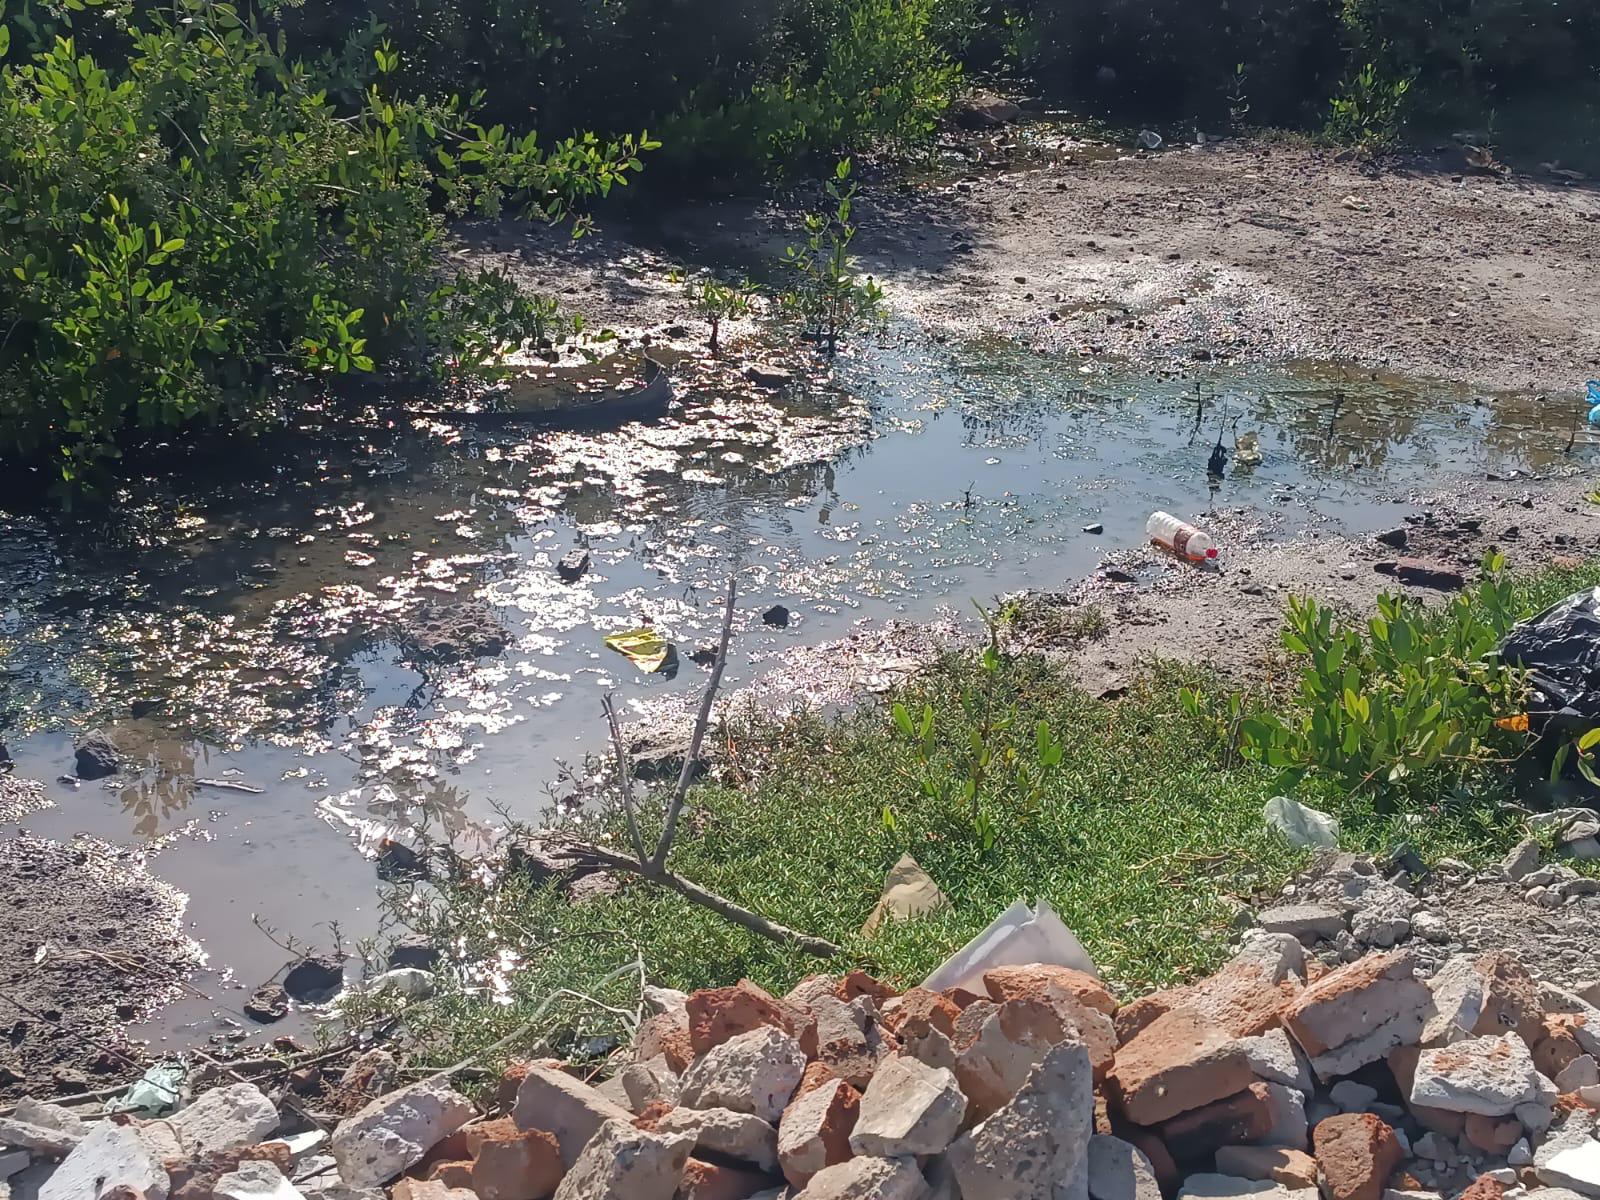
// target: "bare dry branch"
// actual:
[[669, 829], [624, 776]]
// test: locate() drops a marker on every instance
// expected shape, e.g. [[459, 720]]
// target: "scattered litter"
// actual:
[[157, 1091], [1018, 936], [644, 647], [1150, 139], [1355, 204], [1305, 828], [572, 565], [1180, 537], [230, 785], [908, 891]]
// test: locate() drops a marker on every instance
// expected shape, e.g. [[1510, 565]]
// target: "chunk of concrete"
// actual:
[[255, 1179], [623, 1161], [1307, 922], [1178, 1062], [909, 1108], [1575, 1167], [396, 1130], [1278, 1164], [46, 1129], [224, 1118], [1039, 1139], [571, 1110], [864, 1178], [755, 1072], [110, 1158], [1489, 1076], [1274, 1058], [1119, 1170], [737, 1135], [1356, 1014], [1208, 1186], [815, 1130]]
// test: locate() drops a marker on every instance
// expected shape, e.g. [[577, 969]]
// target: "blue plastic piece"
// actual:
[[1594, 415], [1594, 391]]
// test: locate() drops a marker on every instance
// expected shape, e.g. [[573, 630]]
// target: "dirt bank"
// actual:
[[89, 941], [1262, 251]]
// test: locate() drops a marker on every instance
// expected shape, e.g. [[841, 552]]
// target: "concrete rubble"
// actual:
[[1342, 1054]]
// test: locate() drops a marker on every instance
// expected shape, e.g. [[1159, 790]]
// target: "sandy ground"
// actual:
[[1233, 250]]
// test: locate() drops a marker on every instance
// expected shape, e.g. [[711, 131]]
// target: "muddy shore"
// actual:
[[1231, 251]]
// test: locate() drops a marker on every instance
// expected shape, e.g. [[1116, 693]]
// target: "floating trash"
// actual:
[[645, 647]]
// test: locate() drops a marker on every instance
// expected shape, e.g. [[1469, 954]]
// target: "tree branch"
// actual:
[[624, 776], [669, 829]]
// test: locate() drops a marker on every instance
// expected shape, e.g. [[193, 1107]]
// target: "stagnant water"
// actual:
[[254, 614]]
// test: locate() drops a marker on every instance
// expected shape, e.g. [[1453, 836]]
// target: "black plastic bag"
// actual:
[[1560, 648]]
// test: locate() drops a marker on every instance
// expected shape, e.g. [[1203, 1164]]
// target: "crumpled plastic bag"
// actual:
[[645, 647], [1018, 937], [1560, 650], [156, 1092]]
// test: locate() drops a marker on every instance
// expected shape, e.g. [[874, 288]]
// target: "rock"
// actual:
[[1395, 538], [513, 1164], [12, 1161], [268, 1003], [1303, 827], [908, 1109], [647, 1083], [97, 756], [776, 617], [571, 565], [1274, 1058], [1522, 860], [255, 1180], [1040, 1139], [1416, 572], [110, 1158], [1352, 1097], [768, 376], [1041, 980], [719, 1181], [1119, 1170], [985, 111], [992, 1065], [1307, 922], [223, 1119], [396, 1130], [1291, 1168], [755, 1072], [314, 979], [560, 1105], [815, 1130], [1575, 1167], [1566, 824], [920, 1010], [1356, 1153], [722, 1131], [413, 950], [665, 1035], [623, 1161], [1582, 1071], [1486, 1075], [1492, 1135], [1430, 927], [848, 1038], [1180, 1061], [1356, 1014], [1094, 528], [867, 1179], [1227, 1187], [45, 1129], [1244, 1117], [1289, 1124], [428, 1189], [717, 1014]]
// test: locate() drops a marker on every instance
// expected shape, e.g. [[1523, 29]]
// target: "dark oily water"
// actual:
[[266, 630]]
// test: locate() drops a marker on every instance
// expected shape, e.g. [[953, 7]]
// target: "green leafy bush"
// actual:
[[1395, 706], [828, 294], [186, 234], [1367, 110]]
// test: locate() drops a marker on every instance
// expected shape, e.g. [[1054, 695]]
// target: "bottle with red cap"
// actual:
[[1180, 537]]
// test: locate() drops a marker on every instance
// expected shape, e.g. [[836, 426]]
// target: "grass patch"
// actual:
[[1148, 840]]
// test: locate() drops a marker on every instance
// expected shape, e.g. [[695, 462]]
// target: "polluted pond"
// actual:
[[261, 680]]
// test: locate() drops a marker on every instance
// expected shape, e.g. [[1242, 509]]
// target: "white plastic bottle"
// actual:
[[1180, 537]]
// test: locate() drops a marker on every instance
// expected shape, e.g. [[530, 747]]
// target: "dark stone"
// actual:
[[1398, 538], [1118, 575], [1512, 533], [767, 376], [706, 656], [10, 1077], [126, 1011], [413, 950], [397, 861], [1417, 573], [5, 758], [777, 616], [986, 112], [573, 564], [97, 757], [144, 708], [1096, 527], [1470, 524], [315, 978], [269, 1003]]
